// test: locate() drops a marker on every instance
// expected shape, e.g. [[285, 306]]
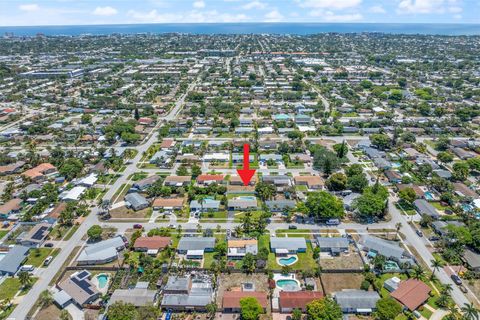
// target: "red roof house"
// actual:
[[412, 293]]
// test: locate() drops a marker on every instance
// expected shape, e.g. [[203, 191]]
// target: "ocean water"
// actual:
[[249, 28]]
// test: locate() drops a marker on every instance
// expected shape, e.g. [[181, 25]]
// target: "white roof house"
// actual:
[[89, 180], [101, 252], [74, 194]]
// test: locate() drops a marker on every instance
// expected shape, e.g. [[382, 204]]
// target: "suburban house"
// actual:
[[280, 205], [177, 181], [101, 252], [12, 206], [242, 204], [284, 246], [312, 182], [39, 172], [168, 203], [423, 207], [237, 181], [472, 259], [205, 206], [151, 245], [36, 236], [389, 249], [78, 289], [289, 300], [191, 293], [357, 301], [195, 247], [136, 201], [207, 179], [11, 262], [138, 296], [144, 184], [412, 293], [238, 248], [231, 300], [332, 245]]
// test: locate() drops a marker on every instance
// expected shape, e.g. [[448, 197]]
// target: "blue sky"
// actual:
[[78, 12]]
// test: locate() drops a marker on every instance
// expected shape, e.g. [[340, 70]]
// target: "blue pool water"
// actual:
[[247, 198], [467, 207], [287, 284], [396, 165], [102, 280], [391, 265], [287, 261], [428, 195]]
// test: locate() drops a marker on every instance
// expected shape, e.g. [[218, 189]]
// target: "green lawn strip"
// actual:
[[71, 232], [208, 258], [425, 312], [11, 286], [37, 256], [3, 233], [305, 259]]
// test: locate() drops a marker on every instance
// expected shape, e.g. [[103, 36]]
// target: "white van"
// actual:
[[27, 267]]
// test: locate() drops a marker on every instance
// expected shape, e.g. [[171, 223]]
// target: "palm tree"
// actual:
[[45, 298], [470, 312], [201, 201], [447, 289], [24, 278], [418, 273], [454, 314], [436, 265]]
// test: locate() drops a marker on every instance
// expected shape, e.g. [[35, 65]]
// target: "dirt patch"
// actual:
[[124, 212], [228, 282], [333, 282], [348, 261], [48, 313]]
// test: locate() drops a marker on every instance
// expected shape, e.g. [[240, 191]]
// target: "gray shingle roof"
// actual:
[[136, 200], [12, 260], [383, 247], [195, 243], [423, 207], [332, 242], [102, 250], [288, 243]]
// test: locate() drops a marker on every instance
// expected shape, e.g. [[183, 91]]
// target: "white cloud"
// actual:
[[329, 16], [273, 16], [105, 11], [330, 4], [199, 4], [254, 5], [29, 7], [428, 6], [211, 16], [377, 9]]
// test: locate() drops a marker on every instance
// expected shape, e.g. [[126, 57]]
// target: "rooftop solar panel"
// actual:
[[39, 235], [84, 285]]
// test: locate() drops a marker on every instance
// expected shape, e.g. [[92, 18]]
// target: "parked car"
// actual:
[[434, 238], [48, 245], [463, 289], [332, 222], [292, 227], [419, 233], [137, 226], [456, 279], [47, 261]]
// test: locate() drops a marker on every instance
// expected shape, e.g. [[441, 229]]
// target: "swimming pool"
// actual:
[[390, 265], [429, 195], [247, 198], [288, 284], [102, 281], [287, 261]]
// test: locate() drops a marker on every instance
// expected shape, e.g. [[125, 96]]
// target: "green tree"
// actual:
[[357, 183], [71, 168], [248, 263], [95, 232], [324, 205], [250, 308], [436, 265], [65, 315], [45, 299], [296, 314], [408, 195], [387, 309], [337, 182], [354, 170], [470, 312], [121, 311], [341, 149], [325, 160], [461, 170], [265, 191], [324, 309], [380, 140], [445, 157], [24, 278]]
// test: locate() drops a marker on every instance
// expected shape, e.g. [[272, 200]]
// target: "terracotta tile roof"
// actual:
[[231, 299], [298, 299], [55, 213], [170, 202], [310, 180], [210, 177], [167, 143], [39, 170], [412, 293], [13, 204], [155, 242]]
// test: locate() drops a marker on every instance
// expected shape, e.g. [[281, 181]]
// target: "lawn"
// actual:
[[71, 232], [10, 287], [3, 233], [214, 215], [241, 215], [305, 259], [208, 258], [138, 176], [37, 256]]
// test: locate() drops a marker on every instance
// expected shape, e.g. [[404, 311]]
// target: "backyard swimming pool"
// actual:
[[428, 195], [287, 261], [102, 280], [390, 265], [247, 198], [288, 284]]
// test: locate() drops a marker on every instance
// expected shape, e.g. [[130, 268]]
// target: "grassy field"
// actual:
[[71, 232], [3, 233], [37, 256], [11, 286]]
